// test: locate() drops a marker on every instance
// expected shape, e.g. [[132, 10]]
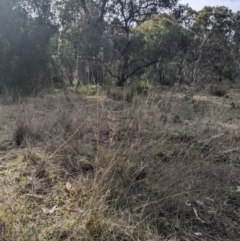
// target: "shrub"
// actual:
[[115, 93], [143, 86], [218, 90], [130, 95], [89, 90], [139, 87]]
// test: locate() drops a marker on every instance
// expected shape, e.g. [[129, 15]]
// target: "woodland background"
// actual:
[[68, 42]]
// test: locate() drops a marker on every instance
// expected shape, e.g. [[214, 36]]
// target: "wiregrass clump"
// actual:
[[21, 133], [23, 128]]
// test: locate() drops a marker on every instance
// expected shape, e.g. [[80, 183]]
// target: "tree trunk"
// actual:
[[121, 81], [123, 71]]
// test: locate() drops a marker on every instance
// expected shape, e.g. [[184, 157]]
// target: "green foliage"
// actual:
[[88, 90], [168, 43], [213, 28], [142, 86], [99, 232]]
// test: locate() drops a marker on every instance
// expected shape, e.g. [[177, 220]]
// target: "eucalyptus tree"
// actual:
[[212, 31], [106, 32], [83, 27], [125, 16], [163, 45]]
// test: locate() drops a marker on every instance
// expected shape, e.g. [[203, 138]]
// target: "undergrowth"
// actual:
[[94, 168]]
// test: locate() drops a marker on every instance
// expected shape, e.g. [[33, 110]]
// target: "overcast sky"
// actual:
[[199, 4]]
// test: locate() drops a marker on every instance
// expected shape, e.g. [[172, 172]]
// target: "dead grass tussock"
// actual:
[[158, 168]]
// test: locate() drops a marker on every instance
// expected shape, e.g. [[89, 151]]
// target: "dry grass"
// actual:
[[95, 168]]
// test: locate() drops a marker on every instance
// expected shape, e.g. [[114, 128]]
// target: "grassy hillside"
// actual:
[[161, 166]]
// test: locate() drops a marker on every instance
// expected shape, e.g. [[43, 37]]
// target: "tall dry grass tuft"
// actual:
[[23, 127]]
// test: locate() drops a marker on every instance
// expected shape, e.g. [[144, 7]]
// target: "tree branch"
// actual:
[[142, 67]]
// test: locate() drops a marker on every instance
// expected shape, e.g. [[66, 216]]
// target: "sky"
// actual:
[[199, 4]]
